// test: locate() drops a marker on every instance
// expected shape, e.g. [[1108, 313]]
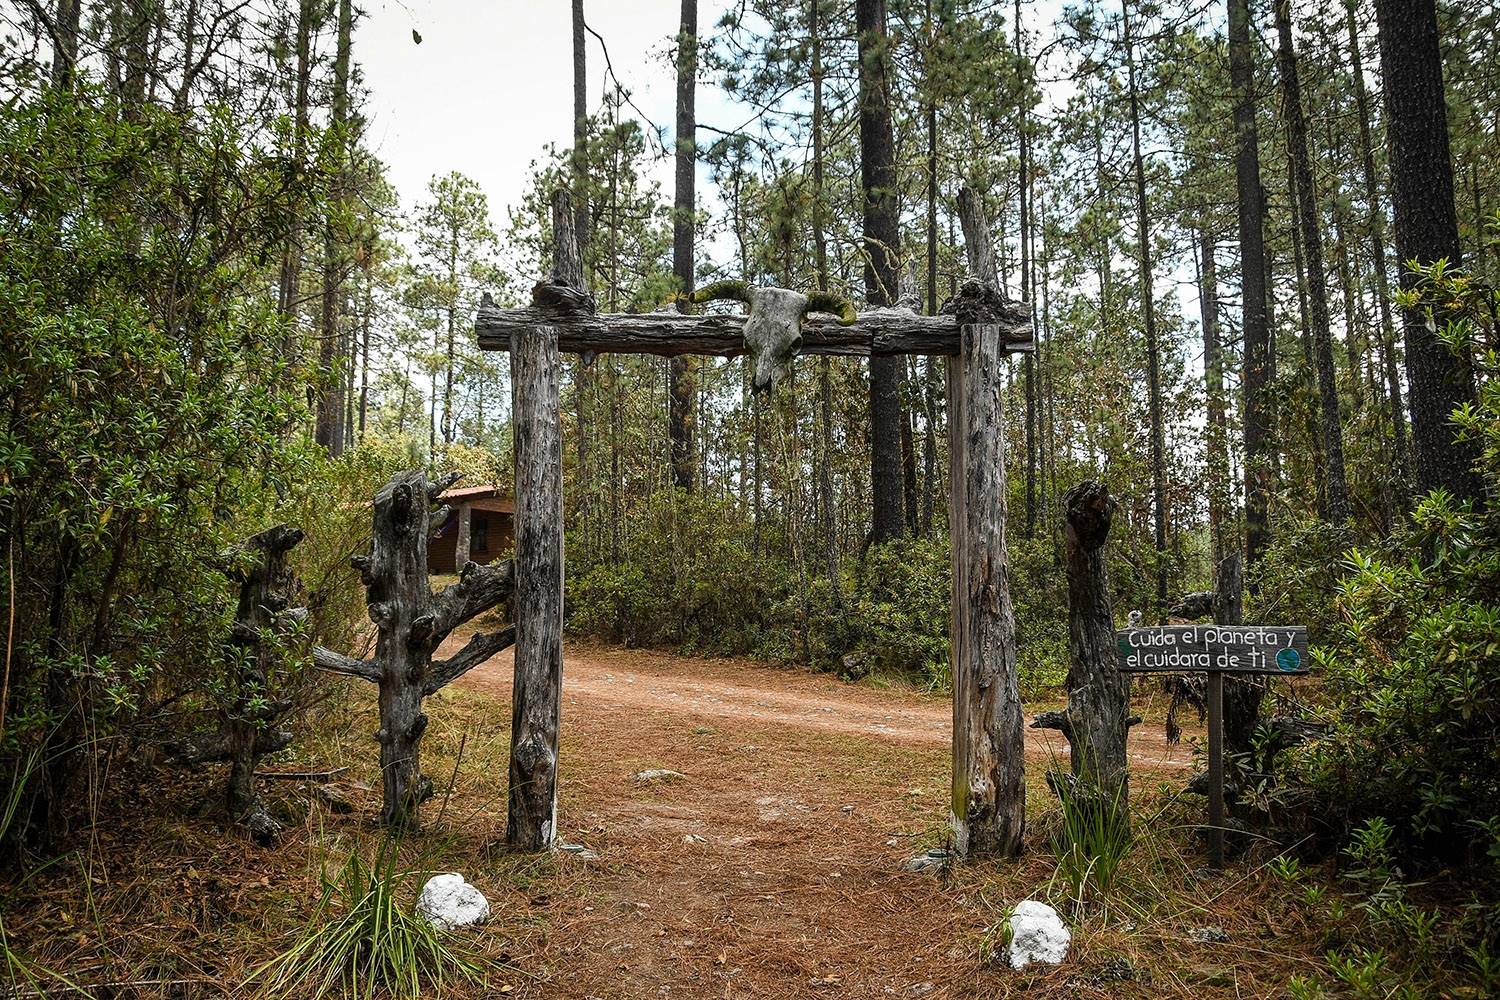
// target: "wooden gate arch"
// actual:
[[976, 332]]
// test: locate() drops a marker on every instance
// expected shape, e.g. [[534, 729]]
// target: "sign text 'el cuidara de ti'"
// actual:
[[1233, 649]]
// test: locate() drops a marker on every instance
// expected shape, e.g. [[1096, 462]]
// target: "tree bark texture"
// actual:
[[682, 418], [882, 246], [1217, 431], [1422, 188], [1377, 245], [1332, 428], [989, 789], [531, 822], [1098, 693], [878, 332], [1256, 321], [329, 431], [1148, 313], [1242, 695], [249, 731]]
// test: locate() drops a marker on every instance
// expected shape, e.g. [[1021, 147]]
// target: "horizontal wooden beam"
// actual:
[[668, 332]]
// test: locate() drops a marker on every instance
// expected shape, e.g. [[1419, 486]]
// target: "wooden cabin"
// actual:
[[481, 527]]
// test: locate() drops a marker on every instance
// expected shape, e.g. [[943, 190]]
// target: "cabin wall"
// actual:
[[492, 534]]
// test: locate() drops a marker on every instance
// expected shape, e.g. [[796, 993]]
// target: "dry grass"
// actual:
[[772, 870]]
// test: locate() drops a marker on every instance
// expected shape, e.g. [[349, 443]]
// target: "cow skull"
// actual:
[[773, 328]]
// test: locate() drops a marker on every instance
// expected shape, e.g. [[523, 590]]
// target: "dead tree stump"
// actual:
[[248, 727], [1097, 720], [412, 622]]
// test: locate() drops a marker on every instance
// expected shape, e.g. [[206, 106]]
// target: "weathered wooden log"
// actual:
[[531, 820], [876, 332], [249, 732], [1098, 693], [989, 789], [411, 622]]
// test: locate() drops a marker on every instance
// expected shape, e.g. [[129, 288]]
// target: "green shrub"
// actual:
[[1411, 659], [1411, 668], [894, 617], [688, 576], [151, 401]]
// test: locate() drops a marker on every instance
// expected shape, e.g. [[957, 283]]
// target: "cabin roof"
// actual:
[[480, 497]]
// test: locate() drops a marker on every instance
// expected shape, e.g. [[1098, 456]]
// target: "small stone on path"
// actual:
[[658, 775], [578, 851], [935, 860], [1208, 935]]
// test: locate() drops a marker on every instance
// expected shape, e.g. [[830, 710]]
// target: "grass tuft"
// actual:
[[1092, 841], [361, 942]]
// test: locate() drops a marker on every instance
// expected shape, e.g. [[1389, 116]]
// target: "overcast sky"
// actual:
[[492, 83]]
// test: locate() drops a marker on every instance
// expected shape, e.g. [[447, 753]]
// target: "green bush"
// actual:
[[1411, 660], [151, 401], [1411, 666], [688, 577]]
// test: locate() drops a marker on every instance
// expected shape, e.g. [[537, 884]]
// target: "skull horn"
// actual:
[[736, 290], [827, 302]]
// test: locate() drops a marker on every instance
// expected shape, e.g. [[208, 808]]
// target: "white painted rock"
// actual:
[[1037, 934], [448, 901]]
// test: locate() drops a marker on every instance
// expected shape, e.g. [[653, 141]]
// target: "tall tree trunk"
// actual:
[[1148, 312], [450, 349], [820, 260], [364, 358], [65, 43], [929, 376], [681, 418], [1309, 379], [1213, 379], [291, 258], [1377, 247], [1411, 65], [579, 159], [583, 373], [1097, 720], [989, 788], [330, 420], [1255, 323], [877, 168], [1317, 282], [1029, 364]]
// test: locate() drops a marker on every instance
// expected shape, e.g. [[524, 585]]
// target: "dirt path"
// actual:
[[772, 867]]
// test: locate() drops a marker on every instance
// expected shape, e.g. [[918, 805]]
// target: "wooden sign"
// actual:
[[1215, 650], [1231, 649]]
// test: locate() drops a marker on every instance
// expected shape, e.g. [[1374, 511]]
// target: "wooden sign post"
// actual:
[[1215, 650]]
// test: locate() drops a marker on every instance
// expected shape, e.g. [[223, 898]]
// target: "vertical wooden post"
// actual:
[[989, 788], [462, 543], [958, 627], [531, 823], [1216, 768]]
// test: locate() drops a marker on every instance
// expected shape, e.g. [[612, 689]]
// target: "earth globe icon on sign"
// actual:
[[1288, 660]]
